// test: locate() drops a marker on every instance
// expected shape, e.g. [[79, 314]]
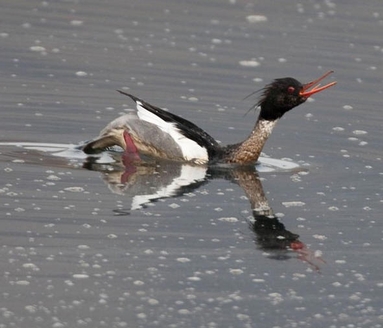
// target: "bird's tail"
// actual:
[[103, 142]]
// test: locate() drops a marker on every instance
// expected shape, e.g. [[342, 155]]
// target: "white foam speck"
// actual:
[[320, 237], [31, 266], [296, 203], [340, 261], [76, 22], [153, 301], [31, 308], [359, 132], [184, 311], [141, 316], [81, 73], [53, 177], [37, 49], [216, 41], [194, 278], [22, 283], [80, 276], [249, 63], [228, 219], [256, 18], [83, 247], [183, 259], [236, 271], [258, 280], [242, 316], [74, 189], [275, 298]]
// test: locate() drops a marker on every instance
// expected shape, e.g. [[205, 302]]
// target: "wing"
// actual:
[[185, 127]]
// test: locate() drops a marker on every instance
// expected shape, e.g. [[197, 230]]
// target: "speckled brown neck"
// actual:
[[248, 151]]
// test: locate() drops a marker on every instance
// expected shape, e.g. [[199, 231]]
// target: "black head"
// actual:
[[284, 94]]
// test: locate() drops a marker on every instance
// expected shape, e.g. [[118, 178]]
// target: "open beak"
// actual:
[[305, 92]]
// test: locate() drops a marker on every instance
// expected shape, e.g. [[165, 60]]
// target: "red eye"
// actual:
[[290, 90]]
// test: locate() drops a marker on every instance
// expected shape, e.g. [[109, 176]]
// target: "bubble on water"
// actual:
[[53, 177], [236, 271], [194, 278], [193, 99], [249, 63], [76, 22], [275, 298], [74, 189], [320, 237], [340, 261], [184, 311], [31, 266], [293, 203], [37, 49], [256, 18], [31, 308], [359, 132], [83, 247], [22, 282], [228, 219], [258, 280], [153, 301], [81, 73], [80, 276]]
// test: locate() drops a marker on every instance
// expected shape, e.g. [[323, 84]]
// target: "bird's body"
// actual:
[[155, 132]]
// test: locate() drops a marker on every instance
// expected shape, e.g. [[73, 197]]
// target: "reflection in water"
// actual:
[[149, 180]]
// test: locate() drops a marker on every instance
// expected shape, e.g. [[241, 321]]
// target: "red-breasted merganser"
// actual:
[[155, 132]]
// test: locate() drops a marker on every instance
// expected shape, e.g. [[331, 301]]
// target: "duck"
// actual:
[[155, 132]]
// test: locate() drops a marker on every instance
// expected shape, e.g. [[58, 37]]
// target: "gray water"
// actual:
[[73, 251]]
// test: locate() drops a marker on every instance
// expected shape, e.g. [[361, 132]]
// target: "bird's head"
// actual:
[[284, 94]]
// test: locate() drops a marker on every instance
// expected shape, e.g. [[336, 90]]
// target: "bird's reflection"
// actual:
[[150, 180]]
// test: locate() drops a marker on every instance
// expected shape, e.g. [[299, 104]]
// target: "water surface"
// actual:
[[193, 253]]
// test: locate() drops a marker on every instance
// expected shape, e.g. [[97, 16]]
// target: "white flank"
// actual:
[[191, 150]]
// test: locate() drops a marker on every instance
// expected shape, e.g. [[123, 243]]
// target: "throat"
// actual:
[[249, 150]]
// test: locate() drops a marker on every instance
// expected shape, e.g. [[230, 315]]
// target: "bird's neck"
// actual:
[[249, 150]]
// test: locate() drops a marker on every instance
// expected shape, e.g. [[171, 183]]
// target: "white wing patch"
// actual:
[[191, 150]]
